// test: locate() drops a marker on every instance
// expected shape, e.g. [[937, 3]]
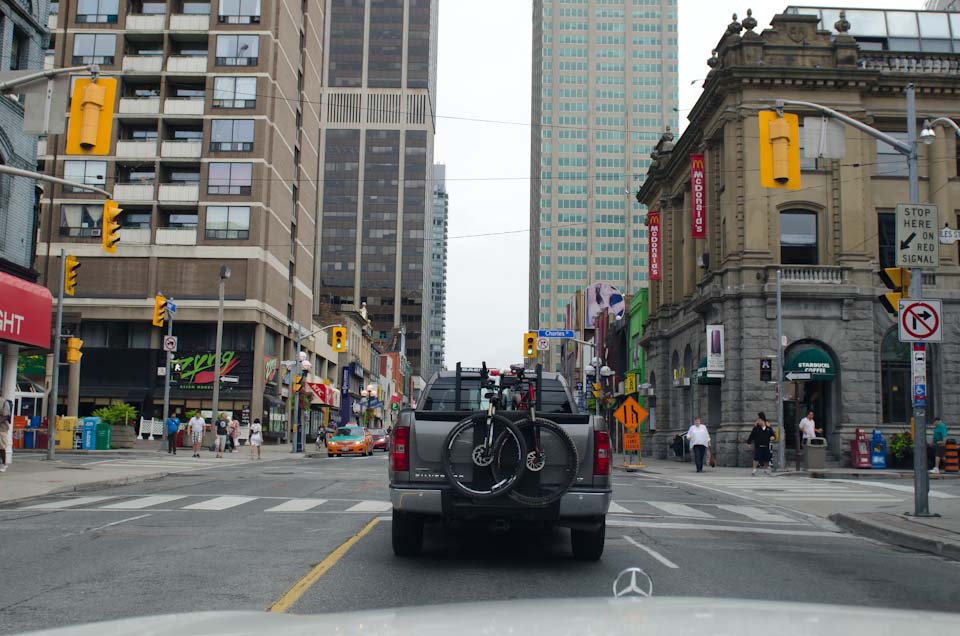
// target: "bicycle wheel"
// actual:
[[550, 466], [480, 471]]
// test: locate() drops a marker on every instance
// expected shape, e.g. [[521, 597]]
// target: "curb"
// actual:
[[886, 533], [90, 485]]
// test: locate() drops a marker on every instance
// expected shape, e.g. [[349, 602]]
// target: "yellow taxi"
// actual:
[[348, 440]]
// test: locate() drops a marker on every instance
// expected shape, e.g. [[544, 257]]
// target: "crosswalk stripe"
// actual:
[[839, 497], [757, 514], [681, 510], [371, 506], [67, 503], [297, 505], [617, 508], [219, 503], [143, 502]]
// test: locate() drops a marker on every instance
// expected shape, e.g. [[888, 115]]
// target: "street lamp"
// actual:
[[367, 395], [224, 277], [928, 134]]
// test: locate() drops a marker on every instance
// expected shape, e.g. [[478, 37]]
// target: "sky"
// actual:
[[483, 137]]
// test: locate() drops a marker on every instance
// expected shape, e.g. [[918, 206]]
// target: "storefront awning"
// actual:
[[702, 376], [809, 363], [25, 312]]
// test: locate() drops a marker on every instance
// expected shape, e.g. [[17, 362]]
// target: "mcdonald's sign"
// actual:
[[698, 183], [653, 242]]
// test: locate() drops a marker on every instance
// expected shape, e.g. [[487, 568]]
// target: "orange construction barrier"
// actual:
[[951, 458]]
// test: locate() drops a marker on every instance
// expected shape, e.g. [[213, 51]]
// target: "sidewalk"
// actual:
[[31, 475], [881, 521]]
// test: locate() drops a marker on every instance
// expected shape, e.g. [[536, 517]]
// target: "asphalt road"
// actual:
[[240, 537]]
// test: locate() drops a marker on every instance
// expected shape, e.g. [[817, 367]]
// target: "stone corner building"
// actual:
[[827, 238]]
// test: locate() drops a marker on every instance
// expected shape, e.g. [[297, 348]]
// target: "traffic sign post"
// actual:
[[543, 344], [917, 241], [630, 383], [631, 415], [920, 321], [169, 346]]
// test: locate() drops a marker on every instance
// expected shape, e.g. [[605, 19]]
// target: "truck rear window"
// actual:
[[442, 396]]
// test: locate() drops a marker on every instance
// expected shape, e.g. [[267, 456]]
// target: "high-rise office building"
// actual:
[[213, 159], [438, 270], [604, 87], [376, 147], [942, 5]]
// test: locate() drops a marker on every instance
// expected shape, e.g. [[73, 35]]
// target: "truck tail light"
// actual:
[[400, 449], [602, 453]]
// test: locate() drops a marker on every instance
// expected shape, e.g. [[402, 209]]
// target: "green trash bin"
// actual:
[[104, 435]]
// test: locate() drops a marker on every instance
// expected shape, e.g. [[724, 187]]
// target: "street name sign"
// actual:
[[556, 333], [918, 239], [920, 321]]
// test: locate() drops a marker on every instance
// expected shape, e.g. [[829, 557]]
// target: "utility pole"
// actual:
[[781, 426], [55, 381], [224, 275], [169, 357]]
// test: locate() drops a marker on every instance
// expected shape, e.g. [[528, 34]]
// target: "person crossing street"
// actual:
[[760, 438], [699, 438], [196, 432], [173, 426]]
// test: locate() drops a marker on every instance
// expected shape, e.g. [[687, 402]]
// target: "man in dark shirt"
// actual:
[[222, 425], [760, 438]]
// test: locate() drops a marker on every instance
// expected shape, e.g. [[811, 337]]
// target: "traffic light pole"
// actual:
[[781, 425], [297, 439], [166, 377], [55, 380]]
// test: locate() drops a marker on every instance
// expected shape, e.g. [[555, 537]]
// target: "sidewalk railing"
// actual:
[[152, 427]]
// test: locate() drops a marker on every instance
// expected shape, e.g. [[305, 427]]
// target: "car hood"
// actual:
[[559, 617]]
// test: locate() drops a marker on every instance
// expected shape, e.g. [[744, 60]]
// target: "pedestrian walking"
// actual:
[[196, 432], [221, 431], [173, 426], [233, 432], [256, 437], [939, 444], [808, 427], [699, 438], [6, 417], [760, 438]]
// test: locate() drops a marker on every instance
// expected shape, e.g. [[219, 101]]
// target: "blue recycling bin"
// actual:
[[878, 450], [90, 433], [30, 438]]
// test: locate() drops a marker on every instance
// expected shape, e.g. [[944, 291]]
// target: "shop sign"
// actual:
[[698, 180], [25, 312], [199, 369], [270, 366], [653, 243]]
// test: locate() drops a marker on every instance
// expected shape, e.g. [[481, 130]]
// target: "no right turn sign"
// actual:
[[920, 321]]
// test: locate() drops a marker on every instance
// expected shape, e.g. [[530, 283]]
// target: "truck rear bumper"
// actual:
[[430, 501]]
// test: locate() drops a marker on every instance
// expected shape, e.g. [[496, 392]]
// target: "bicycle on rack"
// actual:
[[551, 462], [484, 453]]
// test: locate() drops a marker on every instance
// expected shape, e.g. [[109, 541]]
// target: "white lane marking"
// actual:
[[656, 555], [219, 503], [752, 512], [629, 523], [297, 505], [143, 502], [371, 506], [106, 525], [680, 510], [878, 499], [67, 503], [900, 487], [617, 508]]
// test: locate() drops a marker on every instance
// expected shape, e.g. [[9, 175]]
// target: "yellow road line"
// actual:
[[285, 602]]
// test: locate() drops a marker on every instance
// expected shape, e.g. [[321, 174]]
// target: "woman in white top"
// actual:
[[699, 438], [256, 437]]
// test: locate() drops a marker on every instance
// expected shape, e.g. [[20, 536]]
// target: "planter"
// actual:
[[122, 436]]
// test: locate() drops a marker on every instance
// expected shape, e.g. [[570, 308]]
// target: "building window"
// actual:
[[94, 48], [91, 11], [190, 7], [179, 219], [798, 238], [19, 50], [92, 173], [887, 238], [234, 92], [890, 163], [135, 219], [895, 378], [239, 12], [228, 222], [231, 135], [237, 50], [230, 178], [153, 8], [80, 220]]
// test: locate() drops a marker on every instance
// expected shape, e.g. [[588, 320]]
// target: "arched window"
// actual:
[[895, 378], [798, 237]]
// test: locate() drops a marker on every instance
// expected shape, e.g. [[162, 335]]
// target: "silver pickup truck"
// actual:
[[421, 491]]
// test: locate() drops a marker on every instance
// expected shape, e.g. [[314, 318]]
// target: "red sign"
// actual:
[[653, 241], [698, 183], [25, 312], [323, 392]]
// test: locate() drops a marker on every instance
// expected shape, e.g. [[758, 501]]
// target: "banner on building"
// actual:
[[653, 243], [198, 369], [698, 182], [714, 349]]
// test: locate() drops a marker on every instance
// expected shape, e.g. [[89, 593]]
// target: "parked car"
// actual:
[[350, 440]]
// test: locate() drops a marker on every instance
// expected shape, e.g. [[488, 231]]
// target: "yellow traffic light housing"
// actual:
[[70, 275], [779, 150], [159, 310], [297, 383], [898, 279], [73, 350], [111, 226], [338, 339], [91, 116], [530, 344]]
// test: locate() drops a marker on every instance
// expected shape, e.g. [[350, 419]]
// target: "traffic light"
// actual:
[[297, 383], [530, 344], [339, 339], [70, 276], [779, 150], [897, 279], [159, 310], [111, 226], [176, 370], [91, 116], [766, 369], [73, 350]]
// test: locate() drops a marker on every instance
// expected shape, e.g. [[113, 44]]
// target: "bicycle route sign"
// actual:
[[920, 321], [630, 414]]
